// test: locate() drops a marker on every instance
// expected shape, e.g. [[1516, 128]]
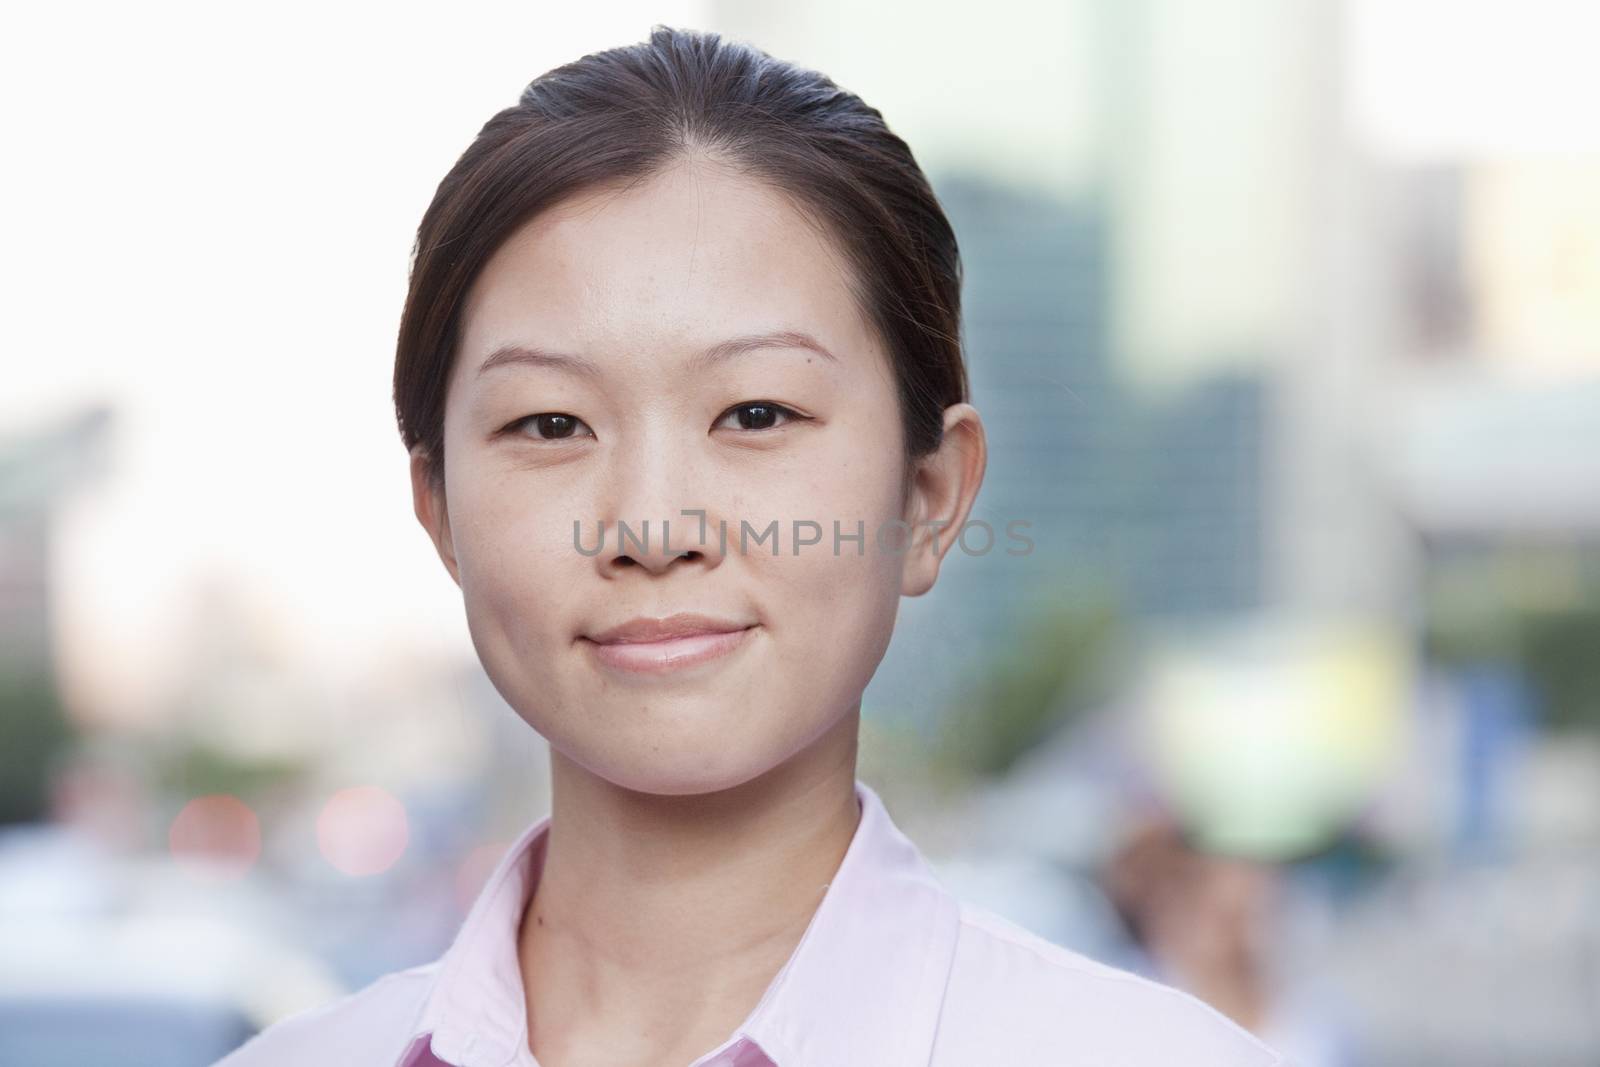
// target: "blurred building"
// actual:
[[39, 468]]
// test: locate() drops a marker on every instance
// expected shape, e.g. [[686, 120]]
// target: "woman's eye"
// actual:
[[759, 415], [548, 425]]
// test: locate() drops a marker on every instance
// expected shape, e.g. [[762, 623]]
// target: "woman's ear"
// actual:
[[428, 501], [944, 485]]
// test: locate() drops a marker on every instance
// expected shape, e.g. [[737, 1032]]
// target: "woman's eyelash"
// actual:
[[789, 414], [516, 427], [562, 420]]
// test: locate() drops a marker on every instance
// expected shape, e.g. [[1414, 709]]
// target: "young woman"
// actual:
[[681, 376]]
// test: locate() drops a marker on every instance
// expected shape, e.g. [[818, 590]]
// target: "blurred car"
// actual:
[[133, 1031], [131, 964]]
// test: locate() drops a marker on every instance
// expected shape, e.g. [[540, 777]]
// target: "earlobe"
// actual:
[[944, 488], [432, 510]]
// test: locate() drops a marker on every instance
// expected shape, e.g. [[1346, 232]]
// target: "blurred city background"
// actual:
[[1284, 319]]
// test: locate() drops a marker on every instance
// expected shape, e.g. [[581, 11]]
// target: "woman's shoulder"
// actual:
[[1014, 996], [367, 1028]]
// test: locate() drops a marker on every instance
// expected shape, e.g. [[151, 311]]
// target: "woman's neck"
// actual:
[[658, 921]]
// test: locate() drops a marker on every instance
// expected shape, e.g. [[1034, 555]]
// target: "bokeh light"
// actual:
[[362, 830], [216, 836]]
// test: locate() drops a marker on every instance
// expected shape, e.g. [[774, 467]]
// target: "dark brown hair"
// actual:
[[619, 116]]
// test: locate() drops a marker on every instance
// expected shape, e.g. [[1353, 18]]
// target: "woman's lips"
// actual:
[[659, 657]]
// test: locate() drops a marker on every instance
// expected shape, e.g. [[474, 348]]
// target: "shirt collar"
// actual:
[[864, 985]]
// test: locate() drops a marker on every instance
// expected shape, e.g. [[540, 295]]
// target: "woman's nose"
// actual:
[[659, 510], [654, 544]]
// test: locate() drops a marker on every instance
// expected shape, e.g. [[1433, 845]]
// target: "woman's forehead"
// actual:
[[691, 256]]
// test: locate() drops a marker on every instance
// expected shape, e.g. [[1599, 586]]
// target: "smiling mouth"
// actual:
[[669, 654]]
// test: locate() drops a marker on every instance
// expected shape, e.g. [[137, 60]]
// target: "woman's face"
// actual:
[[611, 306]]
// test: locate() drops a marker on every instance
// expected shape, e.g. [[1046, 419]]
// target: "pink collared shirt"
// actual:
[[892, 971]]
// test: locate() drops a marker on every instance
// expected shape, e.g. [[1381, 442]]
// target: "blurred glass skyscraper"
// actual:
[[1154, 498]]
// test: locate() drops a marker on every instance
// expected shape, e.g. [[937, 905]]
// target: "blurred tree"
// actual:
[[1561, 652], [1053, 666], [34, 738], [185, 767], [1536, 611]]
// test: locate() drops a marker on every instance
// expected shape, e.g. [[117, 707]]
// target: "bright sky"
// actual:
[[1443, 78], [209, 212]]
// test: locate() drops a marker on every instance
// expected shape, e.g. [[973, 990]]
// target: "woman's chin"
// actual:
[[686, 765], [688, 779]]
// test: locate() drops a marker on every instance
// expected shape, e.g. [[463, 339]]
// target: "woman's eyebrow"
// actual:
[[534, 356], [738, 346]]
